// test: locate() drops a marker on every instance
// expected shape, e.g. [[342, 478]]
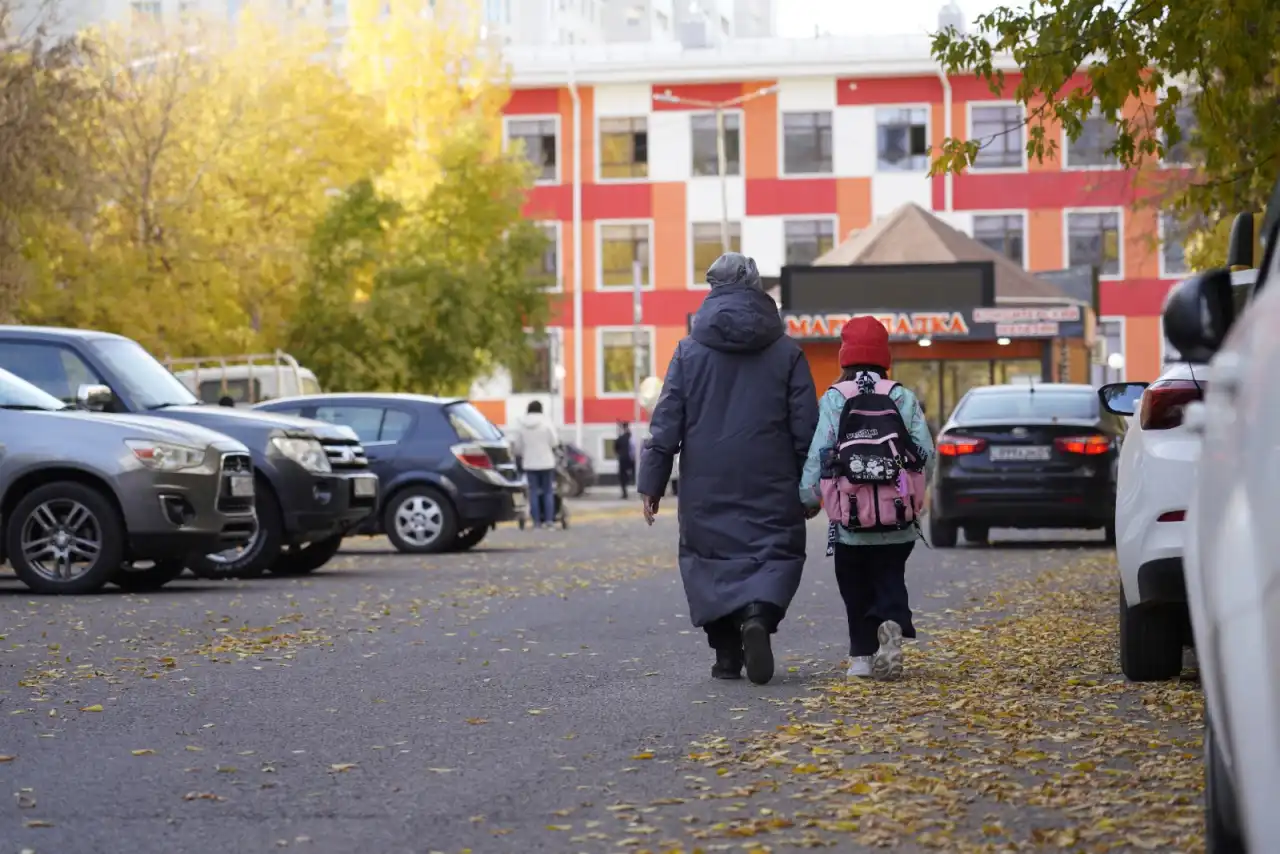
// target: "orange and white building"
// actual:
[[827, 136]]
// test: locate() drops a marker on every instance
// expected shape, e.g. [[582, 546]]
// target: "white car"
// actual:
[[1233, 548]]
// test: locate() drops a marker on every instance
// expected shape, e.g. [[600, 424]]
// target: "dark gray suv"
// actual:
[[86, 498]]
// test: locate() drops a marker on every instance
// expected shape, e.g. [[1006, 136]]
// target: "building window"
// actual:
[[1002, 233], [902, 139], [624, 148], [621, 245], [538, 136], [547, 268], [1093, 147], [806, 143], [1179, 154], [1173, 258], [1093, 239], [1110, 335], [537, 376], [619, 358], [143, 12], [707, 246], [999, 130], [807, 240], [706, 160]]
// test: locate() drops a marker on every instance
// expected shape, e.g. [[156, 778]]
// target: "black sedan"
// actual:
[[1025, 456], [447, 473]]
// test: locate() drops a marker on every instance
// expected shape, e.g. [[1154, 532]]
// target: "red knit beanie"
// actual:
[[864, 341]]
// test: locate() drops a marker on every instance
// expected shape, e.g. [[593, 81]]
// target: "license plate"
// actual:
[[365, 487], [1034, 453], [240, 486], [517, 500]]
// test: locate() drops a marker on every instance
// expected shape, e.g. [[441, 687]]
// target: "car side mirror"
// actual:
[[1198, 314], [1121, 398], [95, 398]]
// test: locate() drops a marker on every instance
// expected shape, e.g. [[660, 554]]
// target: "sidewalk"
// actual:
[[602, 502]]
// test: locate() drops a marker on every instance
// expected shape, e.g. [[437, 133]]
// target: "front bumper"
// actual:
[[317, 506]]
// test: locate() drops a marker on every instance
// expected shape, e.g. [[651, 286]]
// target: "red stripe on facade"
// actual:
[[658, 307], [532, 102], [975, 191], [976, 89], [606, 410], [790, 196], [1133, 297], [616, 201], [860, 91], [549, 202], [939, 190], [713, 93]]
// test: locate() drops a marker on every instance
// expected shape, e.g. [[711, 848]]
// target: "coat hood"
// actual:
[[532, 419], [737, 318]]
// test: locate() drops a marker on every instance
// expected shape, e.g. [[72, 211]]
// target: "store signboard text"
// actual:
[[915, 324]]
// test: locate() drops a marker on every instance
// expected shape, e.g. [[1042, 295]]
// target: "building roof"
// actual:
[[913, 235]]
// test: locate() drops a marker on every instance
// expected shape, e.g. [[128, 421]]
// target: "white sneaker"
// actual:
[[886, 664], [859, 667]]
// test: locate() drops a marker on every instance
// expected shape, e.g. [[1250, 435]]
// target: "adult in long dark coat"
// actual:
[[739, 406]]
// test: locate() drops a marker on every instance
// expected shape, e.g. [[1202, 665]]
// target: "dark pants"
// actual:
[[726, 632], [626, 474], [542, 495], [873, 585]]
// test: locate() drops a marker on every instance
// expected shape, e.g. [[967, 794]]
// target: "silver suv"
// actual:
[[87, 498]]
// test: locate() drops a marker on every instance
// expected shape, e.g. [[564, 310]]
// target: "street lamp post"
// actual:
[[722, 160]]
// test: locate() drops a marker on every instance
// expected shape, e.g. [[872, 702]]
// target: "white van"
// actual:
[[245, 380]]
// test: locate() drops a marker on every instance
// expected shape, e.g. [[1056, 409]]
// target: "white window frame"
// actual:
[[782, 146], [742, 143], [559, 239], [650, 331], [1124, 343], [1066, 156], [1164, 273], [628, 179], [928, 134], [1018, 212], [835, 229], [968, 134], [599, 238], [537, 117], [694, 284], [555, 339], [1066, 237]]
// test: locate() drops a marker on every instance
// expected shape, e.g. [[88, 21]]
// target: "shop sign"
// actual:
[[1027, 330], [914, 324], [1028, 314]]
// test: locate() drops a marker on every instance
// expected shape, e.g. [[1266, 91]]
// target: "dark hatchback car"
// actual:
[[447, 473], [1025, 456]]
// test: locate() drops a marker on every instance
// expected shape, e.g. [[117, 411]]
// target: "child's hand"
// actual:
[[810, 512]]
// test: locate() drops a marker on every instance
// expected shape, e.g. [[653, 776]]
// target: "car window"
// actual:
[[52, 368], [395, 424], [148, 382], [471, 425], [238, 390], [17, 392], [295, 411], [365, 420], [1033, 404]]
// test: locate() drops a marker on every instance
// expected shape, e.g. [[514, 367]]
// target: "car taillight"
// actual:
[[1164, 402], [959, 446], [472, 456], [1090, 446]]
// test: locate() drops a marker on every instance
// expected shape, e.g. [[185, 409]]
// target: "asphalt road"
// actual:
[[543, 693]]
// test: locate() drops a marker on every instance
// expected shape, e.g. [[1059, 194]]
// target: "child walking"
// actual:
[[867, 466]]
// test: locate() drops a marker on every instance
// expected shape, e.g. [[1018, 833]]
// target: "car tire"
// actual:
[[1221, 816], [91, 513], [978, 535], [263, 549], [432, 531], [1150, 642], [942, 534], [160, 573], [295, 560], [469, 538]]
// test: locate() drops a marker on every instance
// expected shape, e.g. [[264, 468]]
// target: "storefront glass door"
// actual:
[[1018, 371], [959, 377], [940, 384]]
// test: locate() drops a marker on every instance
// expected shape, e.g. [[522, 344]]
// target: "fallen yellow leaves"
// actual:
[[96, 707], [342, 766], [143, 752]]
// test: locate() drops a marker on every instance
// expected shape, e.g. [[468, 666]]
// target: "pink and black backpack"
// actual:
[[873, 477]]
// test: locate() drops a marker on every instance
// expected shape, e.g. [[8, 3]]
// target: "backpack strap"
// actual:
[[848, 389], [885, 386]]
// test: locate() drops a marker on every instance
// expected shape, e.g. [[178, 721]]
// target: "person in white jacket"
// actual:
[[535, 441]]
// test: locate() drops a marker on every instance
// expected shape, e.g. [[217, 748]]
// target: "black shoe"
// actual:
[[757, 650], [728, 664]]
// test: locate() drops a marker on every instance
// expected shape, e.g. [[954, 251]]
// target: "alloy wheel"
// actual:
[[235, 553], [61, 539], [419, 520]]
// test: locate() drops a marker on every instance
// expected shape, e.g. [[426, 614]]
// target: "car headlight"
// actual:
[[308, 453], [165, 456]]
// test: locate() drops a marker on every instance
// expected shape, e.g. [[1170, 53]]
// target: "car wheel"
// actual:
[[978, 535], [469, 538], [579, 487], [1221, 818], [420, 520], [1150, 642], [65, 538], [161, 572], [252, 558], [942, 535], [306, 558]]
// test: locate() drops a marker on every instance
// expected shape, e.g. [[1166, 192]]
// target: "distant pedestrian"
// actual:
[[867, 466], [624, 452], [739, 407], [536, 442]]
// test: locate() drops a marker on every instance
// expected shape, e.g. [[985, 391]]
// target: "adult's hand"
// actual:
[[650, 505]]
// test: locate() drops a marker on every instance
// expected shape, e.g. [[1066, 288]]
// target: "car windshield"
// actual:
[[145, 380], [17, 393], [471, 425], [1031, 404]]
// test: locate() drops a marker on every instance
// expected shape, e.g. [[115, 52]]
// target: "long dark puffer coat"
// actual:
[[739, 406]]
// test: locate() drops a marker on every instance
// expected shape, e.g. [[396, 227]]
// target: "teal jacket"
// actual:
[[829, 409]]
